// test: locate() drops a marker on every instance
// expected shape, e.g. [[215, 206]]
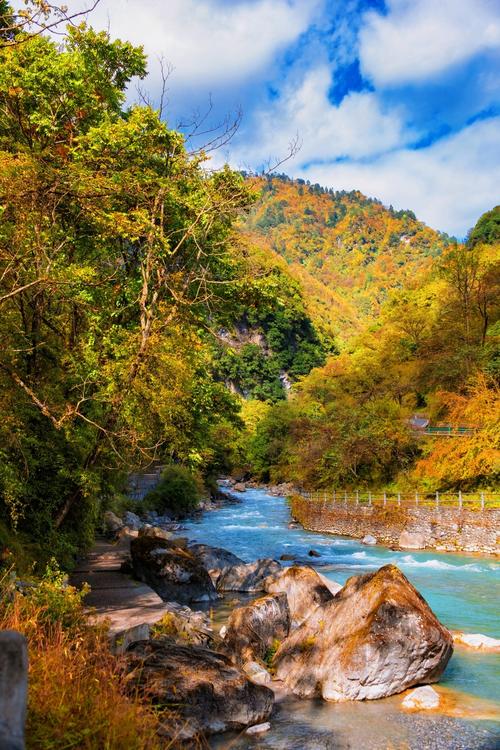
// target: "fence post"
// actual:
[[482, 500], [437, 499], [345, 499], [357, 497], [369, 498], [385, 499], [416, 499], [399, 499], [334, 496], [460, 499]]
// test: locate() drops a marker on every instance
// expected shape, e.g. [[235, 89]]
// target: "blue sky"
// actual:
[[397, 98]]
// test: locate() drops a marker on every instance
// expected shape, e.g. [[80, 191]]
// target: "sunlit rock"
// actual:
[[253, 629], [305, 589], [376, 637]]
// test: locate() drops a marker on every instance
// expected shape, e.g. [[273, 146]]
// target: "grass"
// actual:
[[77, 689]]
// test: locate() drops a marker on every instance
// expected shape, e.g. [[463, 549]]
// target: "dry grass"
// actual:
[[77, 695]]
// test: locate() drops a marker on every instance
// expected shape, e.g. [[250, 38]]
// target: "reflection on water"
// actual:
[[462, 590]]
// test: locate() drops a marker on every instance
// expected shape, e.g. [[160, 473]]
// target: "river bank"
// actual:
[[444, 529]]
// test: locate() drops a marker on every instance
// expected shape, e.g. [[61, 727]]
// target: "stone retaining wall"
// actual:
[[446, 529]]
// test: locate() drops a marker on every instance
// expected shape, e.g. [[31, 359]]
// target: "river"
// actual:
[[462, 590]]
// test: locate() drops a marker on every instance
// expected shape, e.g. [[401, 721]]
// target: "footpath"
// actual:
[[129, 606]]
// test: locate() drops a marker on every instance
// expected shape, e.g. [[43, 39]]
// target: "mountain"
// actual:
[[347, 251]]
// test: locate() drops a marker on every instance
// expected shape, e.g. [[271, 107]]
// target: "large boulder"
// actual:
[[376, 637], [253, 629], [112, 524], [214, 559], [174, 573], [247, 576], [305, 589], [208, 693]]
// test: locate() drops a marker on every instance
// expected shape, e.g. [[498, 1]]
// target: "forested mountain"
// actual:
[[346, 250]]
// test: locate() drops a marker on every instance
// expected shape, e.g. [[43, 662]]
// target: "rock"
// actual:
[[376, 637], [155, 531], [223, 632], [288, 558], [254, 628], [174, 573], [239, 487], [369, 540], [408, 540], [256, 673], [313, 553], [304, 588], [184, 626], [214, 558], [247, 576], [132, 521], [209, 693], [259, 728], [477, 641], [120, 641], [422, 697], [112, 524], [13, 689], [293, 525]]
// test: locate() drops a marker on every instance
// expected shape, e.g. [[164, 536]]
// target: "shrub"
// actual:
[[78, 694], [178, 492]]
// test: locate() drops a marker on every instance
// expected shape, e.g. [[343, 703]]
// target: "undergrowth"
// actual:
[[77, 690]]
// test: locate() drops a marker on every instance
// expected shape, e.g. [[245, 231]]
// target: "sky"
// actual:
[[397, 98]]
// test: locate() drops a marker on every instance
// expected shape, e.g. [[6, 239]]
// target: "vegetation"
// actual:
[[177, 492], [78, 696], [432, 349]]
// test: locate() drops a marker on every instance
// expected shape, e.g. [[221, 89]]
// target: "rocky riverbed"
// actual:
[[303, 636]]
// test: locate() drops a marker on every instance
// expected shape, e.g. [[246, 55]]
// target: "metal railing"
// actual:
[[458, 500]]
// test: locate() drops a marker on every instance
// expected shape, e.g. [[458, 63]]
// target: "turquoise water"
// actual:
[[462, 590]]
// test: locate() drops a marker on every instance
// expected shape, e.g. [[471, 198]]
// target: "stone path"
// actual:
[[130, 607]]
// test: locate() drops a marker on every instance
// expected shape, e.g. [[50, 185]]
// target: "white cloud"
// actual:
[[448, 185], [209, 43], [356, 128], [420, 38]]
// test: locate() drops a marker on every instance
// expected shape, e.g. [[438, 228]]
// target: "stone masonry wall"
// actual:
[[446, 529]]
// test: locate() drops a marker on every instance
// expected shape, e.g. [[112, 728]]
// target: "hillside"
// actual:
[[347, 251]]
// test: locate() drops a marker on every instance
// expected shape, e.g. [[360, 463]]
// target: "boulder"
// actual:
[[184, 626], [112, 524], [304, 588], [257, 673], [287, 558], [155, 531], [214, 558], [369, 540], [174, 573], [247, 576], [239, 487], [208, 693], [253, 629], [424, 697], [13, 689], [132, 521], [314, 553], [376, 637], [408, 540]]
